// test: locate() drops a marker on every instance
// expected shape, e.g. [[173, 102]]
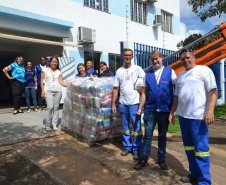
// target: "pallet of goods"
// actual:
[[87, 110]]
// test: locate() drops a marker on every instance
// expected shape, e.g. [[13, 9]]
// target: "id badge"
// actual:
[[54, 84]]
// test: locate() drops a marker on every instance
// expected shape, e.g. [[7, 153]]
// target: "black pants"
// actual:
[[41, 101], [17, 91]]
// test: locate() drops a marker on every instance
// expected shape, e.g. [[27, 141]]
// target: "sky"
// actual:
[[191, 23]]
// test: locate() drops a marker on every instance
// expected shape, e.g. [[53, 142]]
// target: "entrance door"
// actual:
[[95, 58]]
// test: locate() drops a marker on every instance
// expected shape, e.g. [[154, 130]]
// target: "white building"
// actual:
[[110, 22]]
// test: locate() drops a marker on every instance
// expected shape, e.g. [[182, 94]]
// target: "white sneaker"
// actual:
[[55, 128]]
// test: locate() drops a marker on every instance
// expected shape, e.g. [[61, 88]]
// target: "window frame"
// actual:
[[166, 15], [138, 9], [104, 5]]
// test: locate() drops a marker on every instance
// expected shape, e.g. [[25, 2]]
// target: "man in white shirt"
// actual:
[[128, 103], [194, 101], [158, 98]]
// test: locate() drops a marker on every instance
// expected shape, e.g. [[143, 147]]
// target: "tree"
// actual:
[[201, 44], [208, 8], [189, 40]]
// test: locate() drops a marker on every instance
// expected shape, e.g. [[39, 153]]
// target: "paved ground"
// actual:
[[29, 155]]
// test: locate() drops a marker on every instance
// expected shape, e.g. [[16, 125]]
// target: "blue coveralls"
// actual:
[[196, 144], [129, 113]]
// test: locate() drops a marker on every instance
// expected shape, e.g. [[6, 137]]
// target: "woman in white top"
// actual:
[[52, 91]]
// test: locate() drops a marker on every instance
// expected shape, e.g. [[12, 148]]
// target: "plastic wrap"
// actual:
[[87, 110]]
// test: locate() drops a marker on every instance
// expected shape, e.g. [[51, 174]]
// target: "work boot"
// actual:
[[40, 109], [141, 163], [125, 152], [136, 156], [162, 164], [188, 179]]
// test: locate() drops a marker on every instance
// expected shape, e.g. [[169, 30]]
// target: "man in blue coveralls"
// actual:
[[158, 96], [194, 101], [129, 100]]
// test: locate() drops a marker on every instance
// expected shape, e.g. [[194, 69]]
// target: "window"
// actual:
[[167, 22], [114, 62], [139, 11], [102, 5]]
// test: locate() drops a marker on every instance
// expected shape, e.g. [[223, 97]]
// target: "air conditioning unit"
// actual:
[[86, 35], [158, 20]]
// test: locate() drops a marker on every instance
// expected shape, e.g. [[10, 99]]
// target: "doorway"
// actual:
[[95, 58]]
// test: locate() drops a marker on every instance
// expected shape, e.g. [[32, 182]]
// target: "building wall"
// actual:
[[61, 18]]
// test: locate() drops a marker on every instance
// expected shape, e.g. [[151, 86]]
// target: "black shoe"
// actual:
[[136, 156], [125, 152], [188, 179], [141, 163], [162, 164]]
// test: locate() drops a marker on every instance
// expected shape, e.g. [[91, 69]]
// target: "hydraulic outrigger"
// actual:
[[207, 55]]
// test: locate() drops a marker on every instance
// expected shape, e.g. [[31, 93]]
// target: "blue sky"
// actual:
[[191, 24]]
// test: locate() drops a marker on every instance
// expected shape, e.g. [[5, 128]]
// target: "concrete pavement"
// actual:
[[66, 160]]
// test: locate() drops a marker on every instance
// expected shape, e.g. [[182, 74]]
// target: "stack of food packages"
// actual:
[[87, 109]]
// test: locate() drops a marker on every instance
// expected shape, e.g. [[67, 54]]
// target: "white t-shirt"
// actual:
[[125, 79], [52, 80], [192, 88]]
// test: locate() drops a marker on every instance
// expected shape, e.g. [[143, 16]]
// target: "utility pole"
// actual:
[[127, 23]]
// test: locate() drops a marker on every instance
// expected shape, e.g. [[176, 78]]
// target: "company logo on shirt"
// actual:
[[164, 81], [131, 73], [192, 74]]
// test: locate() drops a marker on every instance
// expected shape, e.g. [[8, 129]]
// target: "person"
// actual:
[[89, 65], [17, 81], [30, 86], [106, 71], [194, 101], [53, 93], [158, 96], [39, 68], [82, 70], [128, 103]]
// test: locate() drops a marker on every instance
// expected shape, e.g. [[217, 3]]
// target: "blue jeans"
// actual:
[[129, 113], [31, 91], [150, 120]]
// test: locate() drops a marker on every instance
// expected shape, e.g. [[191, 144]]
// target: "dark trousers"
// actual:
[[41, 101], [17, 91]]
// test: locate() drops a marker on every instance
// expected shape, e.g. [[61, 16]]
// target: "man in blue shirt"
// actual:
[[158, 96], [39, 68], [90, 69]]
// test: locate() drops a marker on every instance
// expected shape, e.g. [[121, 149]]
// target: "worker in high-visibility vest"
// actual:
[[194, 101]]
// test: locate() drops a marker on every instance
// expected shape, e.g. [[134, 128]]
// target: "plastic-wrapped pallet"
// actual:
[[87, 109]]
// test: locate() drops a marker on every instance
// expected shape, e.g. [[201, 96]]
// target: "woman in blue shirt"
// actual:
[[106, 71], [82, 71], [17, 81], [30, 87]]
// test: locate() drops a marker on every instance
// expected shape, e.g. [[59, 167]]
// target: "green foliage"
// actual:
[[220, 111], [208, 8], [201, 44], [189, 40]]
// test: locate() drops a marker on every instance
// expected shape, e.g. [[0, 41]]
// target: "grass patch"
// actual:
[[219, 112]]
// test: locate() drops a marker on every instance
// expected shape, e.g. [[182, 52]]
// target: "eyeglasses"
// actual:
[[184, 51]]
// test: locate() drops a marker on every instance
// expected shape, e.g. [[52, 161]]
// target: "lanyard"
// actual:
[[53, 73], [160, 71]]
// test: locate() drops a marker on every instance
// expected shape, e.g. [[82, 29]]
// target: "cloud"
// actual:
[[185, 9], [216, 20], [185, 32]]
